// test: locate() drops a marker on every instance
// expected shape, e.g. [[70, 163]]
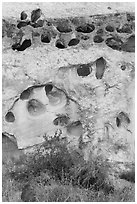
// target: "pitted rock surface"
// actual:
[[74, 75], [60, 32]]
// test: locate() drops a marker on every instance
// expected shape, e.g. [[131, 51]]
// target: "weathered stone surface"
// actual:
[[36, 56]]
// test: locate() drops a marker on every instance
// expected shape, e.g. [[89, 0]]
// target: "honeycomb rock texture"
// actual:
[[70, 71]]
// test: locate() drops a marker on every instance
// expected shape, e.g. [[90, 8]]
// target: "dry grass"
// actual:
[[55, 177]]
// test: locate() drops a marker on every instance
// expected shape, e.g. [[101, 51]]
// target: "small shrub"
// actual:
[[53, 175], [93, 175], [57, 162]]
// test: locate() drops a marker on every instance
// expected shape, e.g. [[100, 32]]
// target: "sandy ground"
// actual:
[[64, 9]]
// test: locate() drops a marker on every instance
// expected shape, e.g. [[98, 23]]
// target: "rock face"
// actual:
[[71, 76]]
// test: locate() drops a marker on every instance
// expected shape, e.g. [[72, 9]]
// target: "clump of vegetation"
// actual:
[[53, 175]]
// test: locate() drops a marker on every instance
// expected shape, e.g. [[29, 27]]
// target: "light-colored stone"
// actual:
[[95, 102]]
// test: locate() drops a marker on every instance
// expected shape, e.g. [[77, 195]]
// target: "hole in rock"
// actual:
[[109, 7], [84, 70], [60, 44], [37, 24], [23, 15], [100, 67], [35, 15], [55, 98], [61, 120], [128, 176], [9, 117], [123, 67], [117, 14], [130, 17], [24, 46], [118, 122], [35, 107], [73, 42], [98, 39], [100, 31], [63, 27], [48, 88], [122, 118], [114, 43], [40, 23], [129, 46], [22, 24], [124, 29], [109, 28], [48, 23], [75, 128], [87, 28], [45, 38], [26, 94], [85, 37]]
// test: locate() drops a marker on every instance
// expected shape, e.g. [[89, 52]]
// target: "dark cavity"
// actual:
[[109, 28], [124, 29], [60, 44], [123, 67], [24, 46], [63, 27], [37, 24], [98, 39], [122, 118], [61, 120], [115, 43], [87, 28], [84, 70], [85, 37], [22, 24], [73, 42], [9, 117], [23, 15], [45, 38], [26, 94], [100, 67], [130, 17], [100, 31], [48, 88], [35, 15]]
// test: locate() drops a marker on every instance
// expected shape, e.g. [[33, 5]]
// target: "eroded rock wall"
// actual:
[[71, 76]]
